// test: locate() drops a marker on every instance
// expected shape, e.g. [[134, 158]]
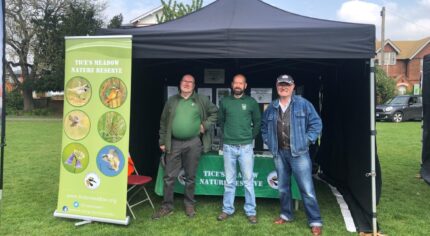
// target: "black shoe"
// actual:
[[189, 211], [161, 213]]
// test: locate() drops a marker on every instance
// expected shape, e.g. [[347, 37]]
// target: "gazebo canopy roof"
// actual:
[[250, 29]]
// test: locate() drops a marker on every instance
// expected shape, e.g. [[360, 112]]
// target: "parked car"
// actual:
[[400, 108]]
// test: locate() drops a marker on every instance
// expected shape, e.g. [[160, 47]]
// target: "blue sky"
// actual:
[[405, 20]]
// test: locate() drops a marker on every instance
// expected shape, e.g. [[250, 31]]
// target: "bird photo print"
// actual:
[[110, 160], [113, 92], [76, 125], [78, 91]]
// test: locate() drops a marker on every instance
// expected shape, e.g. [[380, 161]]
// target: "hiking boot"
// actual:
[[223, 216], [161, 213], [252, 219], [189, 211]]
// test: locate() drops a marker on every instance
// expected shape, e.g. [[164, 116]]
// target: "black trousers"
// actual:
[[184, 154]]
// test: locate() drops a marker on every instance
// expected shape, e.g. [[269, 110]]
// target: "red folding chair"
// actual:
[[137, 183]]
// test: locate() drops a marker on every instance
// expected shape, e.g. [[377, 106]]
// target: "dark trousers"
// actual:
[[184, 154]]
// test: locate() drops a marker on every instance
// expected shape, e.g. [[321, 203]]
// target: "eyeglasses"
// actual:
[[187, 82]]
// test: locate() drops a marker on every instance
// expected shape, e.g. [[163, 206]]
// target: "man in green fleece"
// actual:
[[239, 117], [186, 118]]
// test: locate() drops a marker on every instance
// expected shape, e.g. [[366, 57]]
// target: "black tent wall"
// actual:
[[425, 167], [151, 76], [345, 143]]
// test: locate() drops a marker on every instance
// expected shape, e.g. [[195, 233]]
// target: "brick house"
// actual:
[[403, 61]]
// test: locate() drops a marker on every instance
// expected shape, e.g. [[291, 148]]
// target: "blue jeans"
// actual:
[[245, 155], [301, 168]]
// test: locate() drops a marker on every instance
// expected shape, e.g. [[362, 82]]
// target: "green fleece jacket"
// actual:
[[208, 116]]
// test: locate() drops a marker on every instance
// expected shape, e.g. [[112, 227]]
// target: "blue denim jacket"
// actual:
[[305, 126]]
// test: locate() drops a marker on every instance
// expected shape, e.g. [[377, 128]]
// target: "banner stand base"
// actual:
[[83, 223], [89, 219]]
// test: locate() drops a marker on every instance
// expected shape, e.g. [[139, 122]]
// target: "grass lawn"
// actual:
[[32, 163]]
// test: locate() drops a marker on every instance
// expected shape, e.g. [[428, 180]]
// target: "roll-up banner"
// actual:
[[2, 91], [96, 122]]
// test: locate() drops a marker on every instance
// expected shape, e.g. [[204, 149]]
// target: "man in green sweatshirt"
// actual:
[[239, 117], [186, 117]]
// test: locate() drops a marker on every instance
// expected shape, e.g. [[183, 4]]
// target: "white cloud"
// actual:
[[425, 3], [359, 12], [409, 22], [114, 8], [416, 29]]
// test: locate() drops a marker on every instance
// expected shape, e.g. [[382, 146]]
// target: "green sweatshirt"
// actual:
[[186, 121], [208, 117], [239, 119]]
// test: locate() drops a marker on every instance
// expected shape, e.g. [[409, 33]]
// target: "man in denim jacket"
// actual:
[[289, 125]]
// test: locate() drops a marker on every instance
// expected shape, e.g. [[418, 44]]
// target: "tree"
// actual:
[[35, 33], [115, 22], [79, 18], [173, 10], [19, 39], [48, 52], [385, 86]]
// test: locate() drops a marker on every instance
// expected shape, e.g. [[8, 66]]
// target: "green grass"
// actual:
[[403, 208], [32, 163]]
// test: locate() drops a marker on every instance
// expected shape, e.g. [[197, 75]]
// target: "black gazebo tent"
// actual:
[[332, 60]]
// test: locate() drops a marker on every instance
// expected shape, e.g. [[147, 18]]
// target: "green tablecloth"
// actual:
[[210, 178]]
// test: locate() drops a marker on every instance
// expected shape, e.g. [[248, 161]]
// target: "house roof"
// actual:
[[388, 41], [408, 49], [148, 13]]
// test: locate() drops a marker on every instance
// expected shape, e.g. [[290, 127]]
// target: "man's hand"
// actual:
[[163, 148], [202, 129], [163, 160]]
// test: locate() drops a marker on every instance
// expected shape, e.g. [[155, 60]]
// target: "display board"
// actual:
[[95, 141], [210, 178]]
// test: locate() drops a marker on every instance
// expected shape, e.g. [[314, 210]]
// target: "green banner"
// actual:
[[97, 91], [210, 178]]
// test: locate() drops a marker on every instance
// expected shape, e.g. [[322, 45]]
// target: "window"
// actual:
[[389, 58]]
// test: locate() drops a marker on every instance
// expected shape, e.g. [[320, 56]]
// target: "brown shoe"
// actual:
[[161, 213], [280, 221], [316, 230], [223, 216], [189, 211], [252, 219]]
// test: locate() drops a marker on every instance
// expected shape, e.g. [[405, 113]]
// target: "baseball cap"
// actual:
[[285, 79]]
